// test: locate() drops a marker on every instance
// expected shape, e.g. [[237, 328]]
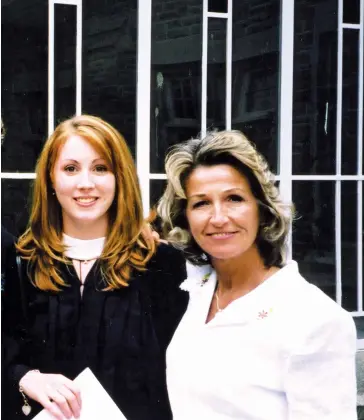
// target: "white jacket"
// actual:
[[284, 351]]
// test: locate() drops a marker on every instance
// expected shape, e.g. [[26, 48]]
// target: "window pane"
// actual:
[[109, 63], [157, 187], [176, 76], [349, 248], [350, 102], [255, 74], [359, 322], [219, 6], [216, 74], [24, 63], [351, 11], [64, 62], [314, 87], [15, 204], [314, 232]]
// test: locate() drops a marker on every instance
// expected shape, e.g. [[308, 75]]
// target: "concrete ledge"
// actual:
[[360, 376]]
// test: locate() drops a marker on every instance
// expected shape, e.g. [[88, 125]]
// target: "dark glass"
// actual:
[[15, 204], [349, 245], [351, 11], [24, 87], [359, 322], [313, 235], [350, 95], [109, 57], [64, 62], [255, 74], [315, 87], [175, 76], [157, 187], [216, 74], [219, 6]]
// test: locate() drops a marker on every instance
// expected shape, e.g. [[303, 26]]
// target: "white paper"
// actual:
[[96, 402]]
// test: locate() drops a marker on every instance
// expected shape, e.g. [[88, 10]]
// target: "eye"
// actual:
[[199, 204], [235, 198], [70, 168], [101, 168]]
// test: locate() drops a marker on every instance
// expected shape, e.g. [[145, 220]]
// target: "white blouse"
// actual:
[[284, 351]]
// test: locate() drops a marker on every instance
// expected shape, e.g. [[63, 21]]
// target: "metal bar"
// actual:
[[360, 159], [328, 177], [229, 64], [79, 58], [143, 99], [360, 344], [286, 103], [69, 2], [204, 68], [218, 15], [16, 175], [50, 67], [338, 155], [350, 26]]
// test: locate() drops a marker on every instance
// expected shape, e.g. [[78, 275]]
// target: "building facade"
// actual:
[[288, 73]]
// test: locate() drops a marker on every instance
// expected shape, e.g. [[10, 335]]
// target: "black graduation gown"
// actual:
[[121, 335]]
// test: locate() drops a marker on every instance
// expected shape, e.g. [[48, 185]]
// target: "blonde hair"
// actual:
[[232, 148], [125, 246]]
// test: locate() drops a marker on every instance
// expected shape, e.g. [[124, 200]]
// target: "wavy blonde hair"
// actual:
[[125, 247], [232, 148]]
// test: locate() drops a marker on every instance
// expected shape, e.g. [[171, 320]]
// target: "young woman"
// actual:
[[93, 291], [257, 340]]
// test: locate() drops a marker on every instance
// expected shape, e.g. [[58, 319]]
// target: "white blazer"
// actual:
[[284, 351]]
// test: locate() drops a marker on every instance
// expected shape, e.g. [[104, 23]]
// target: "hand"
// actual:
[[56, 393], [152, 235]]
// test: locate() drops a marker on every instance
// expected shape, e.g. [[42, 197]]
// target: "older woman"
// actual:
[[257, 340], [92, 292]]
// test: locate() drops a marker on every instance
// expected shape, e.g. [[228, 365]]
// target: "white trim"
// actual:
[[50, 67], [350, 26], [360, 160], [143, 99], [286, 103], [69, 2], [328, 177], [157, 176], [204, 68], [218, 14], [357, 313], [229, 64], [79, 58], [16, 175], [360, 344], [338, 271]]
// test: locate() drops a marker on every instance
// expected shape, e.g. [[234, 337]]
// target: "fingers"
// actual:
[[51, 407], [74, 389], [60, 401], [72, 399]]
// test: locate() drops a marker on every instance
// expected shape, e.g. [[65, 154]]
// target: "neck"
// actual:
[[85, 231], [242, 273]]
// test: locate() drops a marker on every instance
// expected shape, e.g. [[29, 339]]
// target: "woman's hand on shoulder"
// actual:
[[56, 393]]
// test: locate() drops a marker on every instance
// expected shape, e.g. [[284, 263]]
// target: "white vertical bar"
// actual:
[[286, 103], [204, 68], [79, 58], [143, 99], [338, 154], [50, 66], [360, 158], [229, 63]]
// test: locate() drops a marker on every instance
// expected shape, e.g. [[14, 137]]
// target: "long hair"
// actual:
[[234, 149], [125, 246]]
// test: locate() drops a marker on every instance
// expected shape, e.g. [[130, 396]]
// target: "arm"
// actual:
[[320, 379]]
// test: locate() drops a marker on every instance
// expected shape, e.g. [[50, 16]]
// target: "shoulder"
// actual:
[[313, 318], [167, 259]]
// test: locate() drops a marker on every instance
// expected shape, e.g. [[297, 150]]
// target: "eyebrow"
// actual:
[[201, 195], [76, 161]]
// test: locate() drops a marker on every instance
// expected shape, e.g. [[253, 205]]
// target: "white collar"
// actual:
[[81, 249]]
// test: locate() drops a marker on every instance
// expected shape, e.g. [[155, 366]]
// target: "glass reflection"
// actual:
[[313, 236]]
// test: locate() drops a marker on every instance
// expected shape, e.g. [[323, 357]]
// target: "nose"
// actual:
[[85, 180], [219, 215]]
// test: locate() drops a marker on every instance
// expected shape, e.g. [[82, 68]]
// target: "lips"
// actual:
[[85, 200], [221, 234]]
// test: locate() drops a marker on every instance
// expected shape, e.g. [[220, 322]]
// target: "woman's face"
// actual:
[[222, 212], [85, 188]]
